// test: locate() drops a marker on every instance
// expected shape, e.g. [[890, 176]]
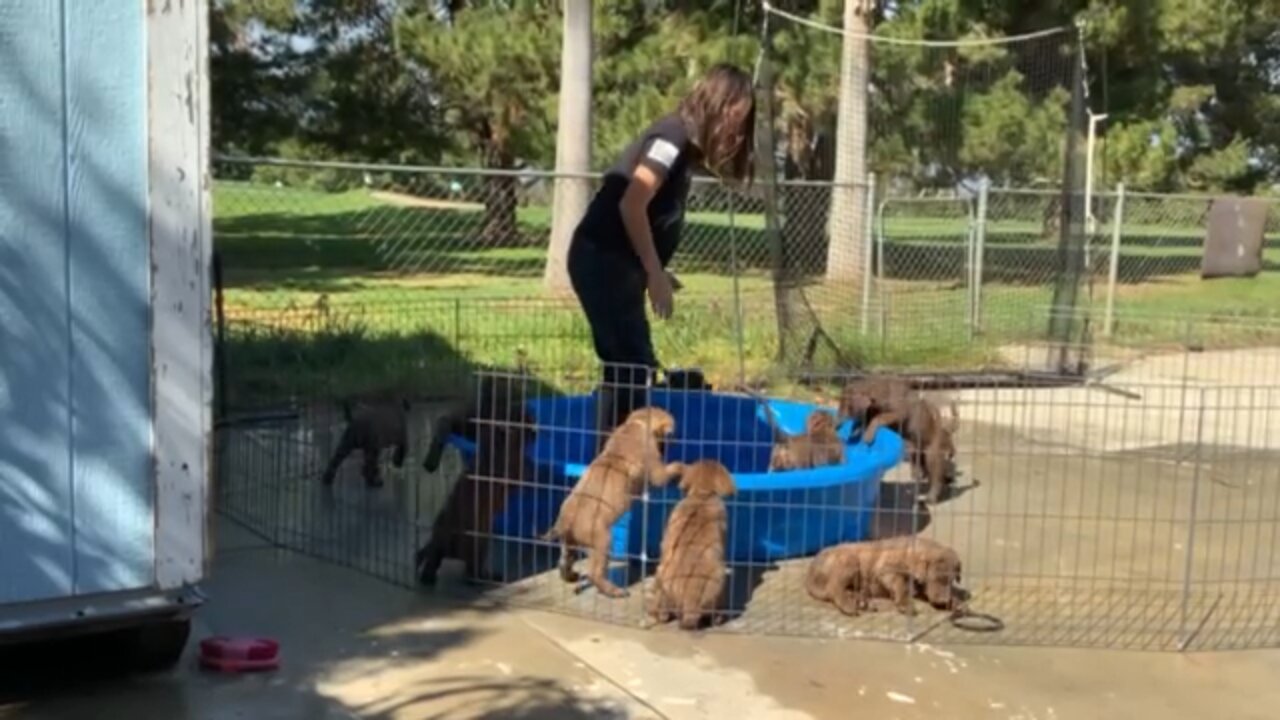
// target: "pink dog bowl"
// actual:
[[227, 654]]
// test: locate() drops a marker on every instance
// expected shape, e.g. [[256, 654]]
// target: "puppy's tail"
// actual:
[[451, 422], [435, 451]]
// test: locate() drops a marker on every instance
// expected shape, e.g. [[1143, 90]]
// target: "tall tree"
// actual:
[[495, 73], [573, 141], [846, 255], [256, 81]]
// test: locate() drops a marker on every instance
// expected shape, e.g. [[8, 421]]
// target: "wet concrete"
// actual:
[[357, 647]]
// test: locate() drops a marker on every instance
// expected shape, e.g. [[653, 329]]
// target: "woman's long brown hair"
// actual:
[[720, 115]]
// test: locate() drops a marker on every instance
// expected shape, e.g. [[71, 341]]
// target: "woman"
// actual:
[[631, 229]]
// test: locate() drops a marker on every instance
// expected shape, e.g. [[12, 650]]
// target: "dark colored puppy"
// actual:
[[933, 451], [890, 402], [817, 446], [849, 575], [371, 428], [690, 577], [631, 457], [864, 400], [500, 425]]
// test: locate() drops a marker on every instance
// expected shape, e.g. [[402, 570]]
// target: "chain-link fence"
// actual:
[[339, 251]]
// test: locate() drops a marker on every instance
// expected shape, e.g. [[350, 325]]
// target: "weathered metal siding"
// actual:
[[76, 481]]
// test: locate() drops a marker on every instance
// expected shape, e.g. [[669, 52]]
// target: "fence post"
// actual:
[[1184, 638], [1113, 272], [868, 250], [220, 341], [739, 330], [979, 250]]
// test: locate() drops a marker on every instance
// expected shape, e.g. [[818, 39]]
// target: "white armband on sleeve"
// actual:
[[663, 152]]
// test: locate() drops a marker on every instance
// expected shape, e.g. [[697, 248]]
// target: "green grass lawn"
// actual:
[[340, 292]]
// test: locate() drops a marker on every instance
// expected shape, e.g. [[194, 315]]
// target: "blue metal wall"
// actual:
[[76, 495]]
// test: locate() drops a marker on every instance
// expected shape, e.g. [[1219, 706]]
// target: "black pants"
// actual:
[[611, 288]]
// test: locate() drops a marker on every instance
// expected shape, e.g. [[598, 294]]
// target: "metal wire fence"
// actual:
[[941, 281], [1137, 507]]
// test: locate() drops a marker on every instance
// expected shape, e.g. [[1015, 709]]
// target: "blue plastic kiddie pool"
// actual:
[[773, 516]]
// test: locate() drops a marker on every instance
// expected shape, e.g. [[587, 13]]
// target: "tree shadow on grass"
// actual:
[[425, 349]]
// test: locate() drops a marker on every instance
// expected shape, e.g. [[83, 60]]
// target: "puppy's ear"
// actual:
[[690, 478], [723, 483], [920, 565], [661, 423]]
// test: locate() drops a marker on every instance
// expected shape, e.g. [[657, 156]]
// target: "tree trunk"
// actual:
[[847, 226], [500, 228], [573, 142]]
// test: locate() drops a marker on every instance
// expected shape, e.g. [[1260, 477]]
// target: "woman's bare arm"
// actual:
[[635, 216]]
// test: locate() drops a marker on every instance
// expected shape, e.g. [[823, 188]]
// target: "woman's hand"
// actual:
[[661, 295]]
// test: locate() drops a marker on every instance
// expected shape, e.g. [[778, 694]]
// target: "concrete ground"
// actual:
[[358, 647]]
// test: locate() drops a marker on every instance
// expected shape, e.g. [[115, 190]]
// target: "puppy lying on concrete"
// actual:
[[500, 425], [631, 457], [690, 577], [851, 574], [371, 428], [890, 402]]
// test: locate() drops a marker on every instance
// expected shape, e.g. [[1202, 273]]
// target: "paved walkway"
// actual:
[[356, 647]]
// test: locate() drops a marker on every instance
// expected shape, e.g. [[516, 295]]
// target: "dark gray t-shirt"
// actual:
[[664, 148]]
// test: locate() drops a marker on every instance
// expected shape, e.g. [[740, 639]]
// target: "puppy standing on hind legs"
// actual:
[[933, 455], [631, 457], [690, 578], [500, 425], [890, 402]]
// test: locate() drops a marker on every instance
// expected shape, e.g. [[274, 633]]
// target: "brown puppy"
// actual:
[[631, 456], [864, 400], [817, 446], [933, 448], [500, 425], [890, 402], [835, 576], [849, 575], [371, 428], [690, 576]]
